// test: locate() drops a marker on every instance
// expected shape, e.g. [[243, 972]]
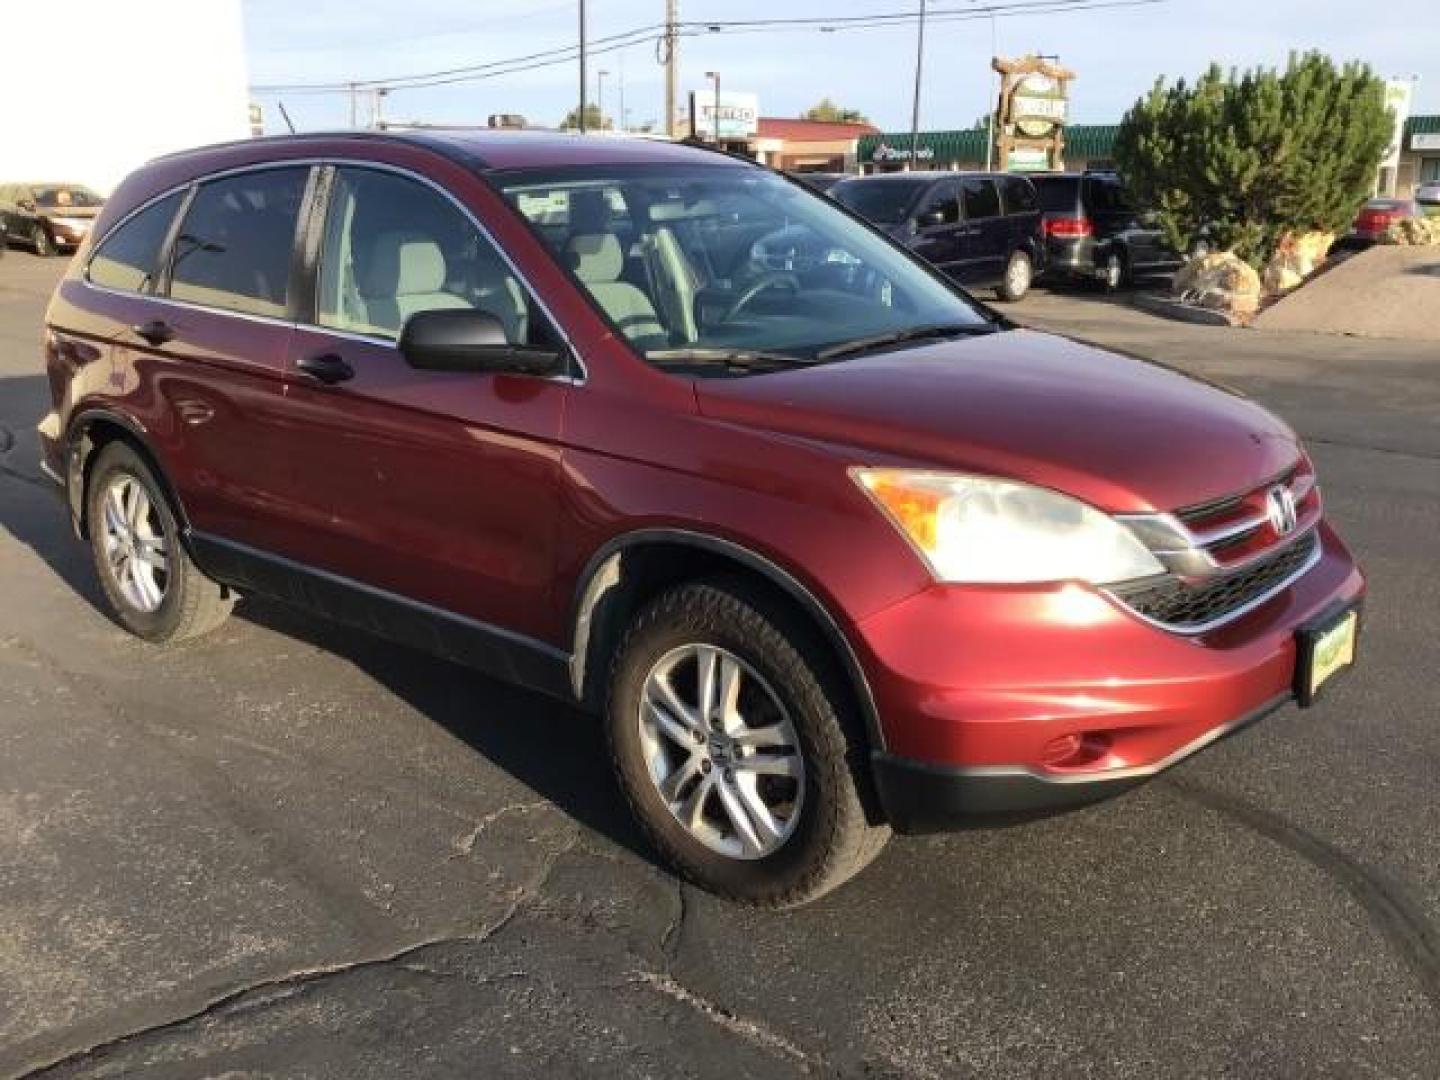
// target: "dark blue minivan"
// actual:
[[982, 229]]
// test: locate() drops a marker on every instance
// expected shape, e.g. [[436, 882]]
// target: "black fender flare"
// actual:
[[603, 572]]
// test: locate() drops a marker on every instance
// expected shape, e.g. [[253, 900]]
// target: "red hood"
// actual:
[[1122, 434]]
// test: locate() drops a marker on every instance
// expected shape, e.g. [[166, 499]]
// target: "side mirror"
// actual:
[[463, 339]]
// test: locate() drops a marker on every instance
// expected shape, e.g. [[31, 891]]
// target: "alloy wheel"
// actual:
[[42, 241], [1114, 274], [134, 543], [1017, 276], [721, 751]]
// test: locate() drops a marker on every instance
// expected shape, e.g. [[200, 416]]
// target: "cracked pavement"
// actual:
[[292, 850]]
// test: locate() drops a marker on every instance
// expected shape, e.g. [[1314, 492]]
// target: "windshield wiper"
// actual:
[[748, 359], [914, 333]]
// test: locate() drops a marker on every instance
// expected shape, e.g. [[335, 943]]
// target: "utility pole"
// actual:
[[582, 67], [624, 122], [377, 98], [672, 62], [915, 109], [994, 104], [353, 118], [715, 114], [600, 98]]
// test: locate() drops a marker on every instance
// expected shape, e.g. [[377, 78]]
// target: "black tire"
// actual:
[[832, 839], [40, 240], [1019, 276], [192, 604]]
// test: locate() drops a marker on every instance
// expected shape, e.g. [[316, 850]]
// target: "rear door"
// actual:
[[208, 344], [1117, 219], [938, 227], [1022, 216], [442, 487], [985, 239]]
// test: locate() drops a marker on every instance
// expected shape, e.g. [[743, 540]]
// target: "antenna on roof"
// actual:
[[286, 115]]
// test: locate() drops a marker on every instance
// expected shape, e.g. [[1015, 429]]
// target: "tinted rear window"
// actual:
[[129, 256], [881, 201], [233, 250], [981, 198], [1019, 195], [1058, 194]]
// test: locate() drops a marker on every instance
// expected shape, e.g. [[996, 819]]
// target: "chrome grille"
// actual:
[[1192, 607]]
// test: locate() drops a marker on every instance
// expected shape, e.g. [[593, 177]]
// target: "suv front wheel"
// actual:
[[155, 589], [736, 749]]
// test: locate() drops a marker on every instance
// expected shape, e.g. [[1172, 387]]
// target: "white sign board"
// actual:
[[739, 114], [1397, 99], [1425, 140]]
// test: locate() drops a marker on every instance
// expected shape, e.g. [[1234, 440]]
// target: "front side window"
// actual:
[[981, 197], [722, 258], [234, 246], [394, 247], [129, 257]]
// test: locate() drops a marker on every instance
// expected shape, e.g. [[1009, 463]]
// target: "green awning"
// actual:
[[942, 149], [1423, 125]]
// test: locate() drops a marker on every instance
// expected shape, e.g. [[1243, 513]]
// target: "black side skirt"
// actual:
[[491, 649]]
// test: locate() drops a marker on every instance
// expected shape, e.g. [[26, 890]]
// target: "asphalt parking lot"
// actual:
[[294, 850]]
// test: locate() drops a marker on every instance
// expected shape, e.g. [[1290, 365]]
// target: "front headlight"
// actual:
[[982, 530]]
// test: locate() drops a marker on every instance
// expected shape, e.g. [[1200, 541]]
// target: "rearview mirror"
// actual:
[[463, 339]]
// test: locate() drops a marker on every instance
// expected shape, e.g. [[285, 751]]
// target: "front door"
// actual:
[[440, 487], [938, 227]]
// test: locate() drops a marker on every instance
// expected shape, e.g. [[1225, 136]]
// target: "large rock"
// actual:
[[1296, 258], [1219, 281]]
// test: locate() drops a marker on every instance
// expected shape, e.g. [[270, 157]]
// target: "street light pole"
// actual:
[[600, 98], [915, 108], [715, 114], [581, 119]]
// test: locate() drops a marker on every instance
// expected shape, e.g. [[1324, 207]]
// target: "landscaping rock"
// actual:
[[1296, 258], [1219, 281]]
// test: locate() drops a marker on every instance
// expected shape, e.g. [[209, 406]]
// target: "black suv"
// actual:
[[980, 228], [1093, 230]]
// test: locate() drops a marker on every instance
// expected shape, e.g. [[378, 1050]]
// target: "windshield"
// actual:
[[727, 258], [63, 195], [881, 201]]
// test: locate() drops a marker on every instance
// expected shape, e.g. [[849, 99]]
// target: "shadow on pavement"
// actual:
[[552, 748]]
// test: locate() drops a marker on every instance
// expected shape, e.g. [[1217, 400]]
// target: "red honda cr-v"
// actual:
[[834, 548]]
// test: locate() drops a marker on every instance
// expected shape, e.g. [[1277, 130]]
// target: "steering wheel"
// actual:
[[758, 286]]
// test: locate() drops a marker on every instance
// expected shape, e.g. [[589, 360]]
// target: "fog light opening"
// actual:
[[1077, 750]]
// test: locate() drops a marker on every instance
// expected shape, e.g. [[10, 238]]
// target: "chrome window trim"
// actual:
[[1244, 609], [310, 162]]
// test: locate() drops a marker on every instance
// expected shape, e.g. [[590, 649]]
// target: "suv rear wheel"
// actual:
[[1019, 272], [736, 751], [40, 239], [1114, 271], [154, 588]]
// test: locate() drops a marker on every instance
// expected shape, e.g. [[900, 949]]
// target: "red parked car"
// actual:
[[833, 548]]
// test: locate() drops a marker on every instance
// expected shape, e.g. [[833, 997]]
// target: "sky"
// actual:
[[1117, 53]]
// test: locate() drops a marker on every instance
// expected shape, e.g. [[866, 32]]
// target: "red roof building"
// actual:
[[808, 145]]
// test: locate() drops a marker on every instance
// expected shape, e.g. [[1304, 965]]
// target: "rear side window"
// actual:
[[944, 200], [1107, 196], [233, 250], [981, 197], [1058, 194], [1019, 195], [129, 258]]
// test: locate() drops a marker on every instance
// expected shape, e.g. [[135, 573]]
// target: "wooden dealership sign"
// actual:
[[1031, 114]]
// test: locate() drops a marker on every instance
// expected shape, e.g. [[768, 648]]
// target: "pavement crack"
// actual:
[[750, 1030], [1399, 919], [1344, 444], [283, 986], [466, 844], [670, 938]]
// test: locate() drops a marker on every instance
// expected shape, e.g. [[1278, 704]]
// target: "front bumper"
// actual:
[[981, 690]]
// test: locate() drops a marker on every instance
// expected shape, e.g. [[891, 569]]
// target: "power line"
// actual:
[[695, 28]]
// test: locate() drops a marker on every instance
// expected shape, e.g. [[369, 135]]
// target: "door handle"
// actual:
[[156, 331], [327, 368]]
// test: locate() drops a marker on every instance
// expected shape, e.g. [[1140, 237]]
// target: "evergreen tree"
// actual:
[[594, 120], [827, 110], [1251, 156]]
